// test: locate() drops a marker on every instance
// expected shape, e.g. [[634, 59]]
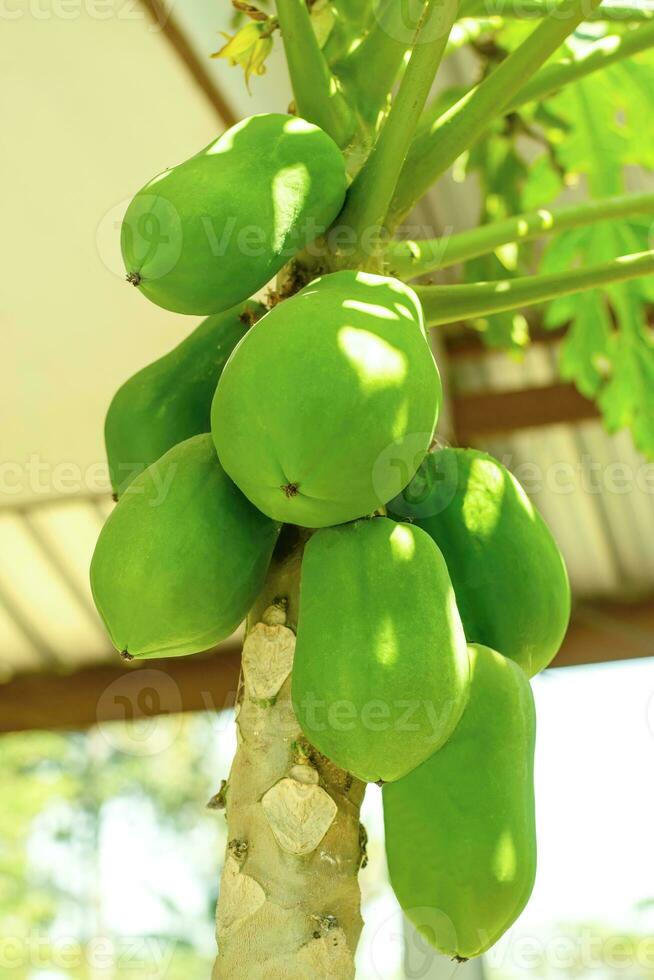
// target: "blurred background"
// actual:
[[109, 858]]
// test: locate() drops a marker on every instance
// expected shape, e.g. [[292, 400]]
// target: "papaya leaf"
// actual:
[[543, 184], [608, 351], [585, 350], [632, 84], [627, 398], [503, 172]]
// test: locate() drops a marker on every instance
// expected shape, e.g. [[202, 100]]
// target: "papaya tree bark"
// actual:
[[289, 904]]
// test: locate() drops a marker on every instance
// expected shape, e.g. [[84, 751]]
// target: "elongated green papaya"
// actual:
[[181, 558], [326, 408], [509, 577], [381, 672], [210, 232], [460, 829], [170, 400]]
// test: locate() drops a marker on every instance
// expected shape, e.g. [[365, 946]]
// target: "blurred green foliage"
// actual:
[[65, 795]]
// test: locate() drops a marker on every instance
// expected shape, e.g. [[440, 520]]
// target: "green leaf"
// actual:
[[626, 400], [632, 85], [542, 186], [607, 351]]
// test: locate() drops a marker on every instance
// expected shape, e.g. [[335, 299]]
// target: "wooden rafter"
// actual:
[[493, 412], [600, 633]]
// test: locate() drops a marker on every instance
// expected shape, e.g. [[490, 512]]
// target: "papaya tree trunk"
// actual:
[[289, 905]]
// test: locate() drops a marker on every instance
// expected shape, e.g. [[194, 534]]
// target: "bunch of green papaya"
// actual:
[[431, 589]]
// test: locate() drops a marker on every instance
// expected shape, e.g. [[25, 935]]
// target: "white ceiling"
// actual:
[[91, 109]]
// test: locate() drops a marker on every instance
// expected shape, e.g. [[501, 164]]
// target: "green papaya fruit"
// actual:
[[380, 676], [206, 234], [509, 577], [170, 400], [326, 408], [460, 829], [181, 558]]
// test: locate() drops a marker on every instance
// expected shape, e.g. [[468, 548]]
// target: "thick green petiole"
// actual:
[[410, 259], [607, 51], [447, 304], [454, 132], [384, 46], [318, 96], [371, 192]]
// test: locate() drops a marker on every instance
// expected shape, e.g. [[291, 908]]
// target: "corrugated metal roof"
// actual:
[[47, 617]]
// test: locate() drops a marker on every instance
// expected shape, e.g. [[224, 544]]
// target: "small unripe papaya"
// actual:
[[460, 829], [170, 400], [181, 558], [326, 408], [509, 577], [210, 232], [381, 672]]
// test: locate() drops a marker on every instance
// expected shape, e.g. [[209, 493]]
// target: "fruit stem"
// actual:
[[289, 900], [384, 47], [371, 192], [318, 96], [409, 259], [461, 126], [448, 304], [608, 50]]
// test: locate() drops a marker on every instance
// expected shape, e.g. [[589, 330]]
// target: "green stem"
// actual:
[[372, 190], [353, 19], [410, 259], [384, 46], [447, 304], [607, 51], [317, 95], [623, 13], [437, 149], [356, 12]]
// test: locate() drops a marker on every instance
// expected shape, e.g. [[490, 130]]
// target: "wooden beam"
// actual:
[[600, 633], [117, 692], [162, 17], [608, 631], [466, 344], [494, 412]]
